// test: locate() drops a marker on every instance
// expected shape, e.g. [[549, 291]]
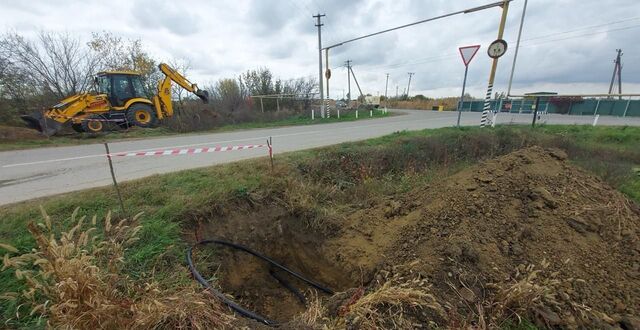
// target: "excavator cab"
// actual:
[[120, 86]]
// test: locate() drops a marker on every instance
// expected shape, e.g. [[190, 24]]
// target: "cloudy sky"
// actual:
[[568, 45]]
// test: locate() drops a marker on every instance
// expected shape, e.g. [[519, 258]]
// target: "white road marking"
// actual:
[[204, 143]]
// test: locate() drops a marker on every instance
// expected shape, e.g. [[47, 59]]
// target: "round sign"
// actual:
[[327, 73], [497, 48]]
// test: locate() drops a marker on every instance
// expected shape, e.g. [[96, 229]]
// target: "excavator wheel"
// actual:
[[93, 125], [77, 127], [142, 115]]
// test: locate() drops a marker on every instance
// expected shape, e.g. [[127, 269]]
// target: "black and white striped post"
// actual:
[[487, 104], [496, 49]]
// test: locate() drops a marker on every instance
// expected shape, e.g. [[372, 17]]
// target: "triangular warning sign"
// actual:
[[468, 52]]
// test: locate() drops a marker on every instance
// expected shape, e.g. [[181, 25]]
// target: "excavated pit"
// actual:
[[247, 278]]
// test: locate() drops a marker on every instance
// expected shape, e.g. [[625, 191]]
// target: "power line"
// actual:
[[466, 11], [525, 44], [583, 28], [584, 35]]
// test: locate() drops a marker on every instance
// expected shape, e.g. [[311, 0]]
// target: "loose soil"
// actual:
[[10, 134], [462, 234]]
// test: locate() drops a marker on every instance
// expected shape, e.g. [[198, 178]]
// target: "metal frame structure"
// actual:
[[326, 49]]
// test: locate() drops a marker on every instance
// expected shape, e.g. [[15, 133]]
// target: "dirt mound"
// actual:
[[531, 205], [472, 237], [11, 133]]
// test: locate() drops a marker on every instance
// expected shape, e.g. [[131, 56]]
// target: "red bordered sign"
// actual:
[[468, 52]]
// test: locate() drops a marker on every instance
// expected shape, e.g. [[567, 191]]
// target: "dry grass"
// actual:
[[537, 295], [387, 307], [314, 316], [75, 281], [530, 292], [449, 103]]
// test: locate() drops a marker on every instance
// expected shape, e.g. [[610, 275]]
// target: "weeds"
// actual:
[[387, 306], [75, 279], [534, 294]]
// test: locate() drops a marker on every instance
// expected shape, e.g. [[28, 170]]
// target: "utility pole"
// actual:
[[386, 86], [327, 73], [349, 82], [515, 54], [409, 85], [616, 70], [494, 66], [396, 92], [320, 87], [356, 80]]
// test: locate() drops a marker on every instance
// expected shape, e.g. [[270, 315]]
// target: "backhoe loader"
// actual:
[[121, 98]]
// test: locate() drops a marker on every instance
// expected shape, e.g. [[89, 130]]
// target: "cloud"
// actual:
[[172, 16], [565, 43]]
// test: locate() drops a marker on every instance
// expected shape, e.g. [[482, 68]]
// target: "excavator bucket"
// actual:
[[203, 95], [46, 126]]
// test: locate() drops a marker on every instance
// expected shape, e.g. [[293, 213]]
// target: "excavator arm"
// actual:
[[162, 100], [50, 121]]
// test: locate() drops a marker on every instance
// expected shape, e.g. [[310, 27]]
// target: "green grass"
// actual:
[[360, 171], [139, 133]]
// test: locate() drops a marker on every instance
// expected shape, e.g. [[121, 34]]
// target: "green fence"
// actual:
[[608, 107]]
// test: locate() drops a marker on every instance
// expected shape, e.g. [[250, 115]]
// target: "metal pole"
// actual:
[[113, 177], [386, 87], [615, 68], [356, 80], [261, 105], [349, 83], [515, 54], [494, 66], [535, 112], [409, 85], [320, 87], [619, 73], [626, 107], [464, 84], [326, 56]]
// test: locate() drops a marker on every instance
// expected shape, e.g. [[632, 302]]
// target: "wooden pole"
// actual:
[[113, 176], [269, 145]]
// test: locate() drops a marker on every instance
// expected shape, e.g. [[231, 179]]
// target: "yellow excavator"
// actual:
[[121, 98]]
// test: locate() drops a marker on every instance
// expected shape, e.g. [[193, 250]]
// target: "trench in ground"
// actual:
[[246, 278]]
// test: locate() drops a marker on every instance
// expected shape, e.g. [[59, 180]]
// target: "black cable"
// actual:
[[288, 285], [242, 311]]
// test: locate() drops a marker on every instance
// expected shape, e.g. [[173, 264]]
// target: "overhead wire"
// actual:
[[525, 43]]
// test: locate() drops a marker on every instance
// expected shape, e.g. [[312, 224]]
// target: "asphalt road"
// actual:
[[33, 173]]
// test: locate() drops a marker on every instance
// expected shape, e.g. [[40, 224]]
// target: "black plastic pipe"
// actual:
[[233, 305]]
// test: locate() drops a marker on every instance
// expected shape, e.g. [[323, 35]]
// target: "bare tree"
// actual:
[[55, 63], [115, 53], [227, 95]]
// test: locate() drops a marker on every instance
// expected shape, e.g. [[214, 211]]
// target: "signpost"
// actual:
[[467, 53]]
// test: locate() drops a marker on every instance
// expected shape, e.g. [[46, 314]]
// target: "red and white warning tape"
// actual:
[[191, 151]]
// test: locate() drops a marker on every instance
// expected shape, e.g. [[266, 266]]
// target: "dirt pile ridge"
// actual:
[[474, 233]]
